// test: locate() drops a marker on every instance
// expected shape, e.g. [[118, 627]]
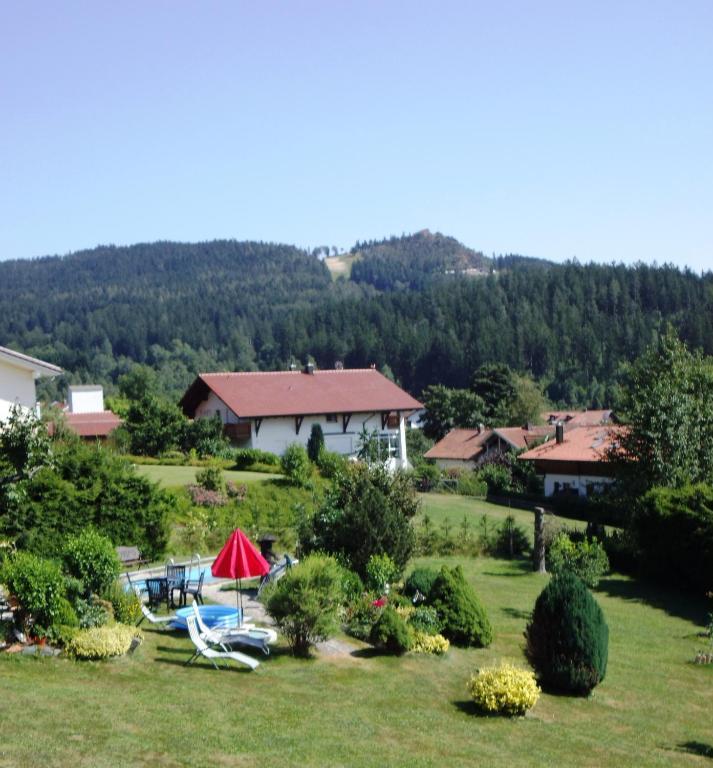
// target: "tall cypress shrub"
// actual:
[[568, 637]]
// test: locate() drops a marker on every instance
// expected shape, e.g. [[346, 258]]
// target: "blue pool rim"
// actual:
[[214, 617]]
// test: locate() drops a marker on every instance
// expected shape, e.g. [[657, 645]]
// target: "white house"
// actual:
[[576, 462], [270, 411], [18, 373]]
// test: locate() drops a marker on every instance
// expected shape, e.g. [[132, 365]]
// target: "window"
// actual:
[[331, 418]]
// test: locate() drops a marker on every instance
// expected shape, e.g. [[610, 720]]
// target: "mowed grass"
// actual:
[[357, 709], [169, 476], [451, 508]]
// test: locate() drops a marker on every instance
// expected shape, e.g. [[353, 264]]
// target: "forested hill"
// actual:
[[225, 305], [413, 261]]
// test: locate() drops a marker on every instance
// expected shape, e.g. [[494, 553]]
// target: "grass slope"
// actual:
[[170, 476], [653, 709]]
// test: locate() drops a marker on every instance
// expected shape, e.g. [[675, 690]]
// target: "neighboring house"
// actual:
[[467, 448], [18, 373], [85, 414], [575, 462], [270, 411]]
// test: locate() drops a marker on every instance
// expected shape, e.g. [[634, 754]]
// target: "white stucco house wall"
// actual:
[[18, 374], [271, 410], [576, 461]]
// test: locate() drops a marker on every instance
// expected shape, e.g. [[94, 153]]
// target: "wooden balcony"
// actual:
[[237, 433]]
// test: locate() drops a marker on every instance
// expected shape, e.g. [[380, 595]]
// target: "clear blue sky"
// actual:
[[553, 129]]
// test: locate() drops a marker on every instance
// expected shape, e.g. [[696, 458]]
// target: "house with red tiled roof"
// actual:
[[271, 410], [467, 448], [85, 415], [576, 461], [18, 374]]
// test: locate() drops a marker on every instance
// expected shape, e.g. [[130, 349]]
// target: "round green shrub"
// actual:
[[568, 637], [91, 557], [352, 586], [330, 463], [380, 571], [38, 587], [305, 602], [295, 464], [420, 580], [584, 558], [211, 478], [390, 633], [464, 619]]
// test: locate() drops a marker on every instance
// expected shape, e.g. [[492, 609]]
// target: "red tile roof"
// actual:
[[460, 444], [468, 444], [520, 438], [91, 424], [583, 444], [294, 393]]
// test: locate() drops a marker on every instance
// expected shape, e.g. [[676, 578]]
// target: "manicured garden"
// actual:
[[366, 710]]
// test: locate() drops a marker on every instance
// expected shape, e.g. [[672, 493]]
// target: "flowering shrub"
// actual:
[[205, 498], [505, 690], [103, 642], [237, 491], [424, 643]]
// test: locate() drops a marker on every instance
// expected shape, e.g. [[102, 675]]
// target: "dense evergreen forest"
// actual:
[[424, 305]]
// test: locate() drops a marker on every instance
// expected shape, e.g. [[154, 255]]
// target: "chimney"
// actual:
[[338, 365], [309, 368], [481, 428], [293, 367], [559, 432]]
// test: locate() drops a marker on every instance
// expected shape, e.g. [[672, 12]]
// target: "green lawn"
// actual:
[[451, 507], [173, 476], [361, 710]]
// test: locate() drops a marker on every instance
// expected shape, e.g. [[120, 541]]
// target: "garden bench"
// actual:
[[129, 556]]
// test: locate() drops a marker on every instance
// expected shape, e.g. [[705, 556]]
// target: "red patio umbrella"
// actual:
[[239, 560]]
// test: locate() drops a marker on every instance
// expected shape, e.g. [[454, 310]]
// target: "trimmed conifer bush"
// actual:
[[465, 621], [568, 637]]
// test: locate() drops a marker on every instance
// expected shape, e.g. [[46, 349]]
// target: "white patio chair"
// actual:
[[202, 649]]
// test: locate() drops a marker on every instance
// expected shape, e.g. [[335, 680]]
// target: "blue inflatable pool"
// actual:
[[214, 616]]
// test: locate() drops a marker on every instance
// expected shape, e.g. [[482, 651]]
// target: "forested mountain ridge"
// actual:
[[184, 308], [413, 261]]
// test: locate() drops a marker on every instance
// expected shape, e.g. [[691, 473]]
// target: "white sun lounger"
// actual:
[[247, 634], [161, 621], [202, 649]]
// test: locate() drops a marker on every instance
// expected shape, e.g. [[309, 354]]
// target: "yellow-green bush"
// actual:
[[103, 642], [505, 689], [424, 643]]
